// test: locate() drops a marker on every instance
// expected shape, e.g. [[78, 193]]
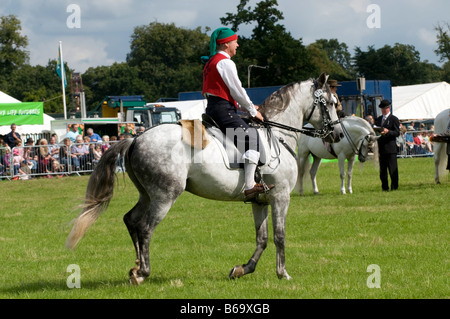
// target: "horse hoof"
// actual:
[[285, 276], [135, 280], [236, 272]]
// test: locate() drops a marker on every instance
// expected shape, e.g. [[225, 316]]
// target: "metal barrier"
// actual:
[[48, 161], [415, 144]]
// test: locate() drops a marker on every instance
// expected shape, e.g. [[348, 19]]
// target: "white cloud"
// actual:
[[79, 52], [106, 25], [359, 6], [427, 36]]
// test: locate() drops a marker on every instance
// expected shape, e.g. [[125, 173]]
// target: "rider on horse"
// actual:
[[224, 92]]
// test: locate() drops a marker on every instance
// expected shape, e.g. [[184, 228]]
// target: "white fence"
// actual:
[[49, 161]]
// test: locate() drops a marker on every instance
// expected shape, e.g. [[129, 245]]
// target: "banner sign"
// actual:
[[26, 113]]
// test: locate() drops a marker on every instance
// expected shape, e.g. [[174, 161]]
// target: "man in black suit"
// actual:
[[389, 128]]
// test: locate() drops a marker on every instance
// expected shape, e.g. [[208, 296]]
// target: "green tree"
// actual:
[[168, 58], [322, 61], [39, 83], [12, 47], [443, 41], [401, 64], [443, 50], [117, 79], [336, 52], [269, 45]]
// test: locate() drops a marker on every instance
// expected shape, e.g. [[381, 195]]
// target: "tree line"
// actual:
[[165, 59]]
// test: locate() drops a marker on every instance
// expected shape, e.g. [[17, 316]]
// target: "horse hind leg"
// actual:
[[132, 230], [260, 216], [141, 221]]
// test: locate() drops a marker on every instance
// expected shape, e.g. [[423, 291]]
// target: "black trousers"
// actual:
[[234, 127], [388, 163]]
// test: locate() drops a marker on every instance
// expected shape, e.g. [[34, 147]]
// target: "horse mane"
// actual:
[[279, 100]]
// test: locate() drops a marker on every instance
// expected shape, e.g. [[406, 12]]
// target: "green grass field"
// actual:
[[331, 239]]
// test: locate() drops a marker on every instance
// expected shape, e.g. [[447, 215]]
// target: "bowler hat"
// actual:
[[384, 104], [333, 83]]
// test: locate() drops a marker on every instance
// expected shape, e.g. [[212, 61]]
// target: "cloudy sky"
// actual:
[[105, 26]]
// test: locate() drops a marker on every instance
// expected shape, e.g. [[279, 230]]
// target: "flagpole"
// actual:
[[62, 79]]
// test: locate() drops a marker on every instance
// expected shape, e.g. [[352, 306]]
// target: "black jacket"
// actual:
[[387, 143]]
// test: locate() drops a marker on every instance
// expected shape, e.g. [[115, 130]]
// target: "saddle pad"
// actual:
[[233, 157], [194, 133]]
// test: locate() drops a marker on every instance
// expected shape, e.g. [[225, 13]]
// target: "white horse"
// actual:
[[441, 124], [162, 166], [359, 137]]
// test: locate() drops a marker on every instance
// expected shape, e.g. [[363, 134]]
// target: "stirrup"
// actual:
[[259, 179]]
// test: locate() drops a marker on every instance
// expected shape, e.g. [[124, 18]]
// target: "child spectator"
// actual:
[[6, 160], [44, 157], [57, 168], [17, 160], [97, 153], [105, 144], [81, 151]]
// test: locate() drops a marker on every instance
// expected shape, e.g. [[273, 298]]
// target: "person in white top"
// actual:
[[224, 91]]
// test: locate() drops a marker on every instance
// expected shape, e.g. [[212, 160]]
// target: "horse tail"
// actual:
[[99, 191]]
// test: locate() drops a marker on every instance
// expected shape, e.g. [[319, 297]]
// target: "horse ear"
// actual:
[[373, 138], [323, 78]]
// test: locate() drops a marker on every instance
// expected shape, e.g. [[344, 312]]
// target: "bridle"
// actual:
[[328, 124], [357, 150]]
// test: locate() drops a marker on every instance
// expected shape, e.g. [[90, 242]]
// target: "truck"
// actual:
[[117, 115]]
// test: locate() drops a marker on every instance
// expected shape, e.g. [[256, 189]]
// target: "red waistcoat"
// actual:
[[213, 82]]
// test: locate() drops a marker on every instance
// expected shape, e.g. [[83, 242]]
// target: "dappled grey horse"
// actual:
[[162, 166], [359, 137]]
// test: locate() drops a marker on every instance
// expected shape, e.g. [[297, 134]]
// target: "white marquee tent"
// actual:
[[423, 101], [24, 129]]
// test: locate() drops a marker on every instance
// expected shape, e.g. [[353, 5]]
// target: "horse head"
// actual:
[[367, 137], [323, 114], [368, 142]]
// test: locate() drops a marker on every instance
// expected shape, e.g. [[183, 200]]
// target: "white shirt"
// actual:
[[228, 71]]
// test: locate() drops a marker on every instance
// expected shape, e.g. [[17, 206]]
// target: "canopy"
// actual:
[[27, 128], [423, 101]]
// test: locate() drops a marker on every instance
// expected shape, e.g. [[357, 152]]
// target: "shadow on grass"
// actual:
[[40, 288], [49, 287]]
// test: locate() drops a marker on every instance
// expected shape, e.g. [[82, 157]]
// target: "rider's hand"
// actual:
[[259, 116]]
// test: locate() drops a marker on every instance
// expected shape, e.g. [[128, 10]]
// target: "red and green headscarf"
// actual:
[[219, 36]]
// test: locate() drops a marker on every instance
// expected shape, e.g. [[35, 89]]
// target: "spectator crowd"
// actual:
[[47, 159]]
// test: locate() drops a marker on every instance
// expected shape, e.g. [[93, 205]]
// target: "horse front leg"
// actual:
[[351, 163], [313, 173], [341, 161], [260, 216]]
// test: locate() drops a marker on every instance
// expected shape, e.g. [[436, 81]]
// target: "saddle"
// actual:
[[199, 134]]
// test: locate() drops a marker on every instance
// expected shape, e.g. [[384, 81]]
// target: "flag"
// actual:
[[58, 67]]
